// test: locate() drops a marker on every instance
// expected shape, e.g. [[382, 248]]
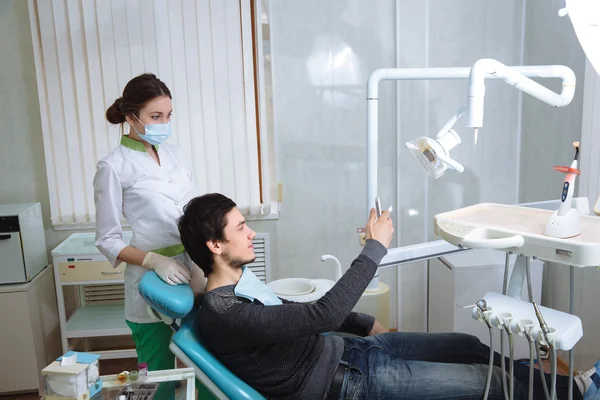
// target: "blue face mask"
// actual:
[[252, 288], [155, 134]]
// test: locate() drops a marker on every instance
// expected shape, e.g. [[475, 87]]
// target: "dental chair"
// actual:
[[173, 303]]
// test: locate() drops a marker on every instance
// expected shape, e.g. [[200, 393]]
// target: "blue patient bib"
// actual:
[[252, 288]]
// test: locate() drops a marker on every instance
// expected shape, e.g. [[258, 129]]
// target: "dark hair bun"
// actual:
[[137, 93], [114, 114]]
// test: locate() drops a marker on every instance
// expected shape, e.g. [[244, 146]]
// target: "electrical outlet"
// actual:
[[362, 236], [362, 239]]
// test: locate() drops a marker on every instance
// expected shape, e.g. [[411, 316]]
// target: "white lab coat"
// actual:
[[129, 182]]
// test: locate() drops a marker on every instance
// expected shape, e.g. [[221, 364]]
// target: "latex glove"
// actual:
[[198, 282], [169, 270]]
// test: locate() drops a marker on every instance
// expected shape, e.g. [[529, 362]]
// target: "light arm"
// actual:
[[516, 76]]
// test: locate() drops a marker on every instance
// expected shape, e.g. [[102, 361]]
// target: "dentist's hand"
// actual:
[[167, 269], [198, 281], [381, 229]]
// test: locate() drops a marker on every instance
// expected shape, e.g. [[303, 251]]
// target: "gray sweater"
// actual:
[[280, 350]]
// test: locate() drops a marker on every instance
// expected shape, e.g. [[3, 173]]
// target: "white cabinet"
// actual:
[[30, 338], [463, 279], [100, 311]]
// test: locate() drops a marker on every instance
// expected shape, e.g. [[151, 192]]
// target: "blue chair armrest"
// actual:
[[173, 301]]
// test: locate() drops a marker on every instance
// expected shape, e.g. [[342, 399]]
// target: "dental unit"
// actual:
[[565, 236]]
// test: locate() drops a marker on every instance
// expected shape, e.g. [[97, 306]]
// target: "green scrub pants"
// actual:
[[152, 347]]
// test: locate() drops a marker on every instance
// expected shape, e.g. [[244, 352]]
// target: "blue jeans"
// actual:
[[399, 365]]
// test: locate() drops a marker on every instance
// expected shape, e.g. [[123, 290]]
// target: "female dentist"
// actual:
[[146, 181]]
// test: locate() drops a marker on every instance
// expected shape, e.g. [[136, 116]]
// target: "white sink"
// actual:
[[301, 290], [292, 287]]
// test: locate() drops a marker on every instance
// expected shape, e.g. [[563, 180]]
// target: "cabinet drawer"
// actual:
[[90, 271]]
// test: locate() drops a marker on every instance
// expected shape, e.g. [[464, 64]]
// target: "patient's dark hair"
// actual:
[[204, 219]]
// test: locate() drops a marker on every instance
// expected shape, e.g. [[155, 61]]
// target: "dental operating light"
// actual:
[[434, 154], [585, 17]]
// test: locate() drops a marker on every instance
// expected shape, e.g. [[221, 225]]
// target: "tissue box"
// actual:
[[74, 376]]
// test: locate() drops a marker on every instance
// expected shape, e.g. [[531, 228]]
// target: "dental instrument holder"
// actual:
[[566, 329], [519, 229], [564, 222], [144, 391]]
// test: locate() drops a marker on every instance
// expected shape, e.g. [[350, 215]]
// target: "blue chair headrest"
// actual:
[[173, 301]]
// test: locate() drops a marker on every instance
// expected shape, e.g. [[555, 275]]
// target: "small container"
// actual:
[[143, 369], [122, 376], [133, 375]]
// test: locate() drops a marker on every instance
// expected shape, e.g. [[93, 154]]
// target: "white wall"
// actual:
[[23, 177], [23, 170], [323, 53], [548, 132]]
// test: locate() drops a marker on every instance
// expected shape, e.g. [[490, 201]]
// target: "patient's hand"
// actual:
[[377, 329], [380, 229]]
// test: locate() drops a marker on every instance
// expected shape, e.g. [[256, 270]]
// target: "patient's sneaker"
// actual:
[[588, 382]]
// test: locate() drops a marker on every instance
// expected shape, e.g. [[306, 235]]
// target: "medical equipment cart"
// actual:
[[100, 310], [111, 385]]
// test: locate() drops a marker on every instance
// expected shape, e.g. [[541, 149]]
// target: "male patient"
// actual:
[[279, 347]]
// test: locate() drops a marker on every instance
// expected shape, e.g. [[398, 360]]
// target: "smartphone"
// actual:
[[378, 206]]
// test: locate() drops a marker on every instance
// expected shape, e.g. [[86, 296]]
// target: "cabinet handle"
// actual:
[[112, 273], [5, 237]]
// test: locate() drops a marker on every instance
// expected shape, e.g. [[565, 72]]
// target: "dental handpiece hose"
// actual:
[[553, 372], [482, 306], [488, 379], [545, 332], [502, 362], [531, 361], [511, 367], [503, 366], [530, 337]]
